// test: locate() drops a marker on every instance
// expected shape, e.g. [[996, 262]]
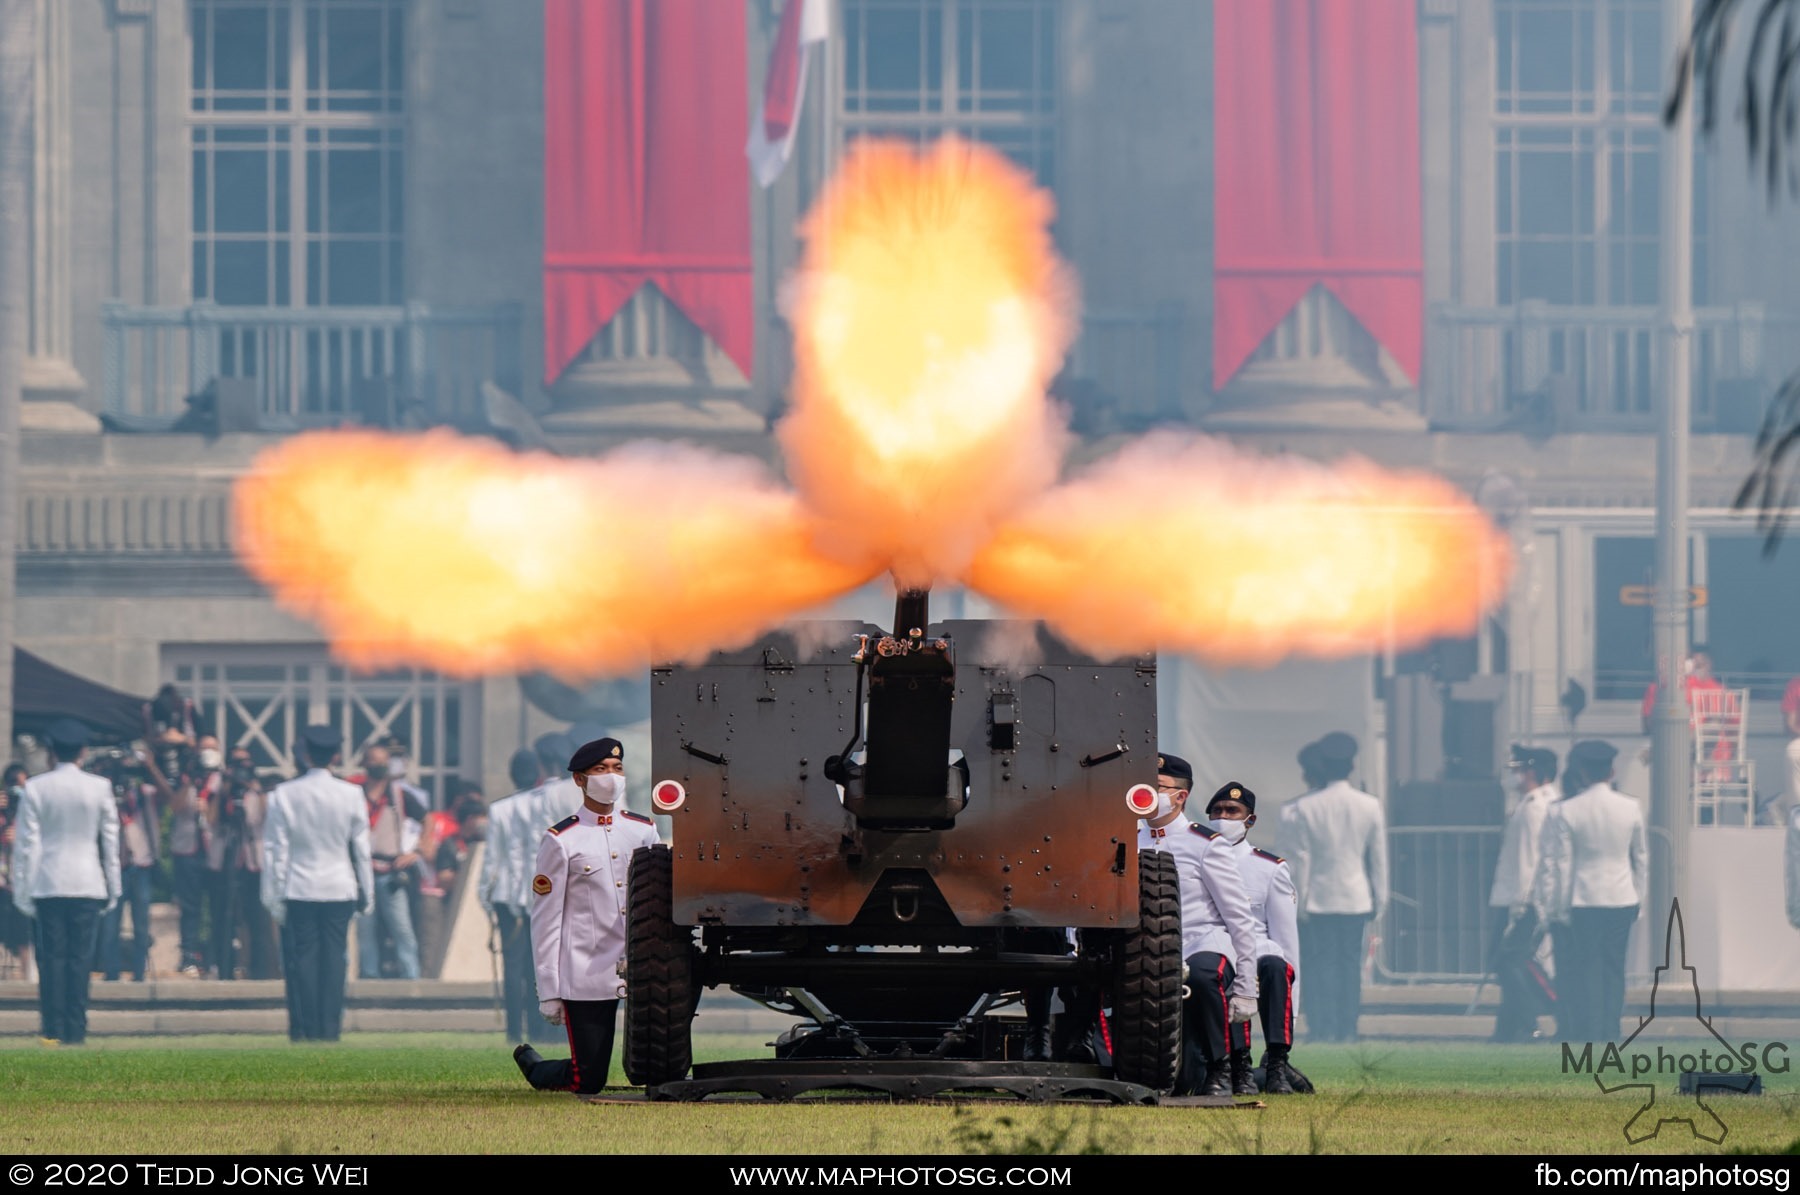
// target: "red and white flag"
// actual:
[[804, 25]]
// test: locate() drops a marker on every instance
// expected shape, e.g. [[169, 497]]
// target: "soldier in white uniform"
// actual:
[[579, 920], [315, 876], [1590, 880], [1515, 923], [1218, 938], [501, 889], [1270, 890], [557, 798], [1339, 858], [66, 875]]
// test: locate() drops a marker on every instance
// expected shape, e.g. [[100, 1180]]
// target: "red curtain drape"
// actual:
[[1316, 170], [645, 178]]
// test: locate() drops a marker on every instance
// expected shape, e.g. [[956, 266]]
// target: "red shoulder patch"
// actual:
[[637, 817], [564, 824], [1203, 831], [541, 885]]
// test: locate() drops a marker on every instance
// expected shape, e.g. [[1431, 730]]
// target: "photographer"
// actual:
[[398, 841], [234, 864], [169, 731], [139, 791], [15, 927]]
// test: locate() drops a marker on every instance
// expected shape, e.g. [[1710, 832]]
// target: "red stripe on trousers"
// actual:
[[1225, 1003], [1287, 1005], [574, 1059]]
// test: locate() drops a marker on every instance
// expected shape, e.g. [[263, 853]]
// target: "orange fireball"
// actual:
[[930, 314]]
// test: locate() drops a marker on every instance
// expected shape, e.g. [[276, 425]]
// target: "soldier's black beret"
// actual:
[[1521, 756], [589, 754], [552, 749], [67, 734], [1338, 746], [1174, 765], [1231, 790]]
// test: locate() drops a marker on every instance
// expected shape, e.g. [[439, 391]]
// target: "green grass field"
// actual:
[[460, 1093]]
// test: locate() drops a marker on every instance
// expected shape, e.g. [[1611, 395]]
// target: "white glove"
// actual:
[[278, 913], [553, 1011], [26, 908], [1243, 1009]]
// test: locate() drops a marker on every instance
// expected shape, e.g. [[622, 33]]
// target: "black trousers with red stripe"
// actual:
[[1205, 1016], [590, 1024], [1274, 1002]]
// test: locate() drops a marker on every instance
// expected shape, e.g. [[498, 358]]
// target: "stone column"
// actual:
[[49, 373]]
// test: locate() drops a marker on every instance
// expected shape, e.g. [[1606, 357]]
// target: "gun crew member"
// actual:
[[315, 876], [66, 874], [578, 921], [1270, 890], [1218, 935]]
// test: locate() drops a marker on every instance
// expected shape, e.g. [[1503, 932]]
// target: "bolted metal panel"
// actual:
[[1050, 748]]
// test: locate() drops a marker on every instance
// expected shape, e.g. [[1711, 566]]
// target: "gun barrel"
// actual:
[[912, 613]]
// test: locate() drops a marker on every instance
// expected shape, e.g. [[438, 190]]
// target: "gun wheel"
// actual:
[[659, 975], [1146, 997]]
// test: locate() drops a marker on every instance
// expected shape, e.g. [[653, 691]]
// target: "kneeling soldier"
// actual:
[[578, 921], [1270, 890]]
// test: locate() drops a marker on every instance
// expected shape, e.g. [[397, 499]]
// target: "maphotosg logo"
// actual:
[[1684, 1076]]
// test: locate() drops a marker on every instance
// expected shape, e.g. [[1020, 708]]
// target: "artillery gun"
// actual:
[[895, 835]]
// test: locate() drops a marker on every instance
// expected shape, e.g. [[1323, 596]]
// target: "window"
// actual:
[[260, 698], [1624, 656], [296, 112], [1749, 613], [985, 69], [1577, 96]]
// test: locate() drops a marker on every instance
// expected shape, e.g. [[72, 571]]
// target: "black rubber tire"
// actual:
[[659, 975], [1146, 997]]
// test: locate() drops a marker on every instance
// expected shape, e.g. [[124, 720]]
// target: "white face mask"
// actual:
[[1230, 830], [397, 769], [211, 758], [605, 787]]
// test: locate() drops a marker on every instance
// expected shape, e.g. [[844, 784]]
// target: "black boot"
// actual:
[[1037, 1025], [1275, 1072], [1242, 1082], [1218, 1078], [526, 1058]]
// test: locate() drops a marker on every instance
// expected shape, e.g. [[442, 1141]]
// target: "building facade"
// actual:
[[340, 205]]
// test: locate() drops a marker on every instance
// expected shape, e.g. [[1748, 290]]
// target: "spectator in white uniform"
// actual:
[[1515, 924], [1218, 937], [66, 875], [502, 889], [578, 921], [558, 797], [1590, 880], [1340, 873], [1269, 888], [315, 876]]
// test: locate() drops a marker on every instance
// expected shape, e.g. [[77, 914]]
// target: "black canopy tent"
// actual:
[[42, 693]]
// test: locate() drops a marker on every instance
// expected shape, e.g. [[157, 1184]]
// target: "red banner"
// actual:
[[644, 172], [1316, 170]]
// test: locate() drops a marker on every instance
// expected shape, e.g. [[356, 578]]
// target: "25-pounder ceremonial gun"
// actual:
[[895, 836]]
